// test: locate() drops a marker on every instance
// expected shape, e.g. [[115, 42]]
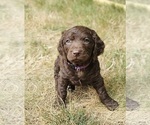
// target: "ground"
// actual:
[[29, 49], [44, 23]]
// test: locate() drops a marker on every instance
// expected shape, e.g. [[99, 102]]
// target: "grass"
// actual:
[[138, 57], [75, 117], [138, 53], [119, 1], [44, 22]]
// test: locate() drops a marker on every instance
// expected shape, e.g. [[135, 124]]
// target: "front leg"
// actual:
[[61, 88], [110, 103]]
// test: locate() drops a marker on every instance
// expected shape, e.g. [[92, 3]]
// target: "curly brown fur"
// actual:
[[77, 64]]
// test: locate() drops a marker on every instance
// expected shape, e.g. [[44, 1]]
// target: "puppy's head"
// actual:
[[79, 45]]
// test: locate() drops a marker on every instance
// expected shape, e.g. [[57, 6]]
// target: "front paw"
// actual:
[[110, 104]]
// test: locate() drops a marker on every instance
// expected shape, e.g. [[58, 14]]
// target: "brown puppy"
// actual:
[[77, 64]]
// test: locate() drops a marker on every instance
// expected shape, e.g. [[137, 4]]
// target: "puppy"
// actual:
[[77, 64]]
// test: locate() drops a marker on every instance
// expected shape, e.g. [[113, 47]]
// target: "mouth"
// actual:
[[77, 62], [79, 65]]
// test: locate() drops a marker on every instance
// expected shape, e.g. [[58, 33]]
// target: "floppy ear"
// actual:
[[60, 47], [99, 46]]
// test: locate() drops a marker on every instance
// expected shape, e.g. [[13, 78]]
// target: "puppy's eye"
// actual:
[[86, 40], [68, 41]]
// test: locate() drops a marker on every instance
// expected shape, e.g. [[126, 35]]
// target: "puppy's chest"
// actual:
[[81, 78], [80, 74]]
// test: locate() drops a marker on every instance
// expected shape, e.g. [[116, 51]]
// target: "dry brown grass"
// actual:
[[137, 59], [44, 24]]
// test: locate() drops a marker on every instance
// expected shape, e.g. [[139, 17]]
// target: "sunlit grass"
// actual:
[[44, 22], [138, 56]]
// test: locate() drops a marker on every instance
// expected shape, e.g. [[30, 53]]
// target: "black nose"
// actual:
[[76, 53]]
